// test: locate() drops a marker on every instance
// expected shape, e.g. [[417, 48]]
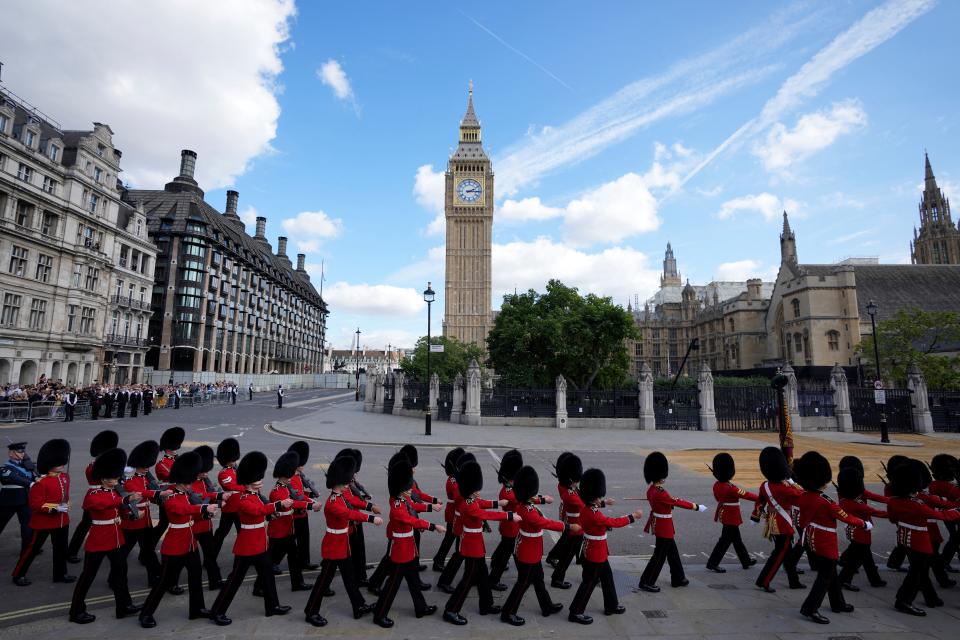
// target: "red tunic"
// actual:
[[105, 533], [533, 524], [452, 496], [562, 492], [416, 507], [339, 516], [252, 537], [282, 524], [819, 515], [865, 512], [472, 514], [179, 539], [296, 483], [875, 497], [509, 528], [945, 489], [137, 483], [200, 488], [571, 508], [88, 472], [51, 491], [728, 496], [421, 496], [935, 502], [911, 516], [777, 499], [403, 548], [228, 482], [662, 504], [162, 470], [595, 526]]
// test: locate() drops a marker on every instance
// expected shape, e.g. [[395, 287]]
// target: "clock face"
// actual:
[[469, 190]]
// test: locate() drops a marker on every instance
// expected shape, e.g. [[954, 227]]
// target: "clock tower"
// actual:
[[468, 209]]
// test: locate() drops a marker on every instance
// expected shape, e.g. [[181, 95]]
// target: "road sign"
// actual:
[[879, 396], [878, 384], [436, 348]]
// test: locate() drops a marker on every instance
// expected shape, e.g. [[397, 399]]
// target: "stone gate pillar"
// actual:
[[920, 412], [561, 401], [792, 394], [399, 381], [648, 420], [370, 391], [841, 399], [379, 391], [472, 412], [708, 417], [457, 409]]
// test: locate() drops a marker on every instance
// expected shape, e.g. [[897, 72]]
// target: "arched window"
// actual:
[[798, 344], [795, 303]]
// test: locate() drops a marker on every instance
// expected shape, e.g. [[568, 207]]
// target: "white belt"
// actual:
[[284, 513], [12, 486], [822, 528], [259, 525], [338, 531], [573, 515], [911, 527], [456, 513], [663, 515], [408, 534], [729, 504], [179, 525], [469, 530], [106, 522], [932, 520], [94, 486], [595, 538], [527, 534]]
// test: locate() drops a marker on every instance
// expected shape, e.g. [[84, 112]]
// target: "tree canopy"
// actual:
[[455, 358], [914, 336], [538, 336]]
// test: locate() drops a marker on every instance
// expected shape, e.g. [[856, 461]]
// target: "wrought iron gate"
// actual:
[[614, 403], [414, 396], [445, 402], [527, 403], [677, 408], [745, 408], [945, 410], [389, 393], [866, 413]]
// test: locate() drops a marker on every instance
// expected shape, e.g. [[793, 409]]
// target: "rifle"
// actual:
[[132, 508]]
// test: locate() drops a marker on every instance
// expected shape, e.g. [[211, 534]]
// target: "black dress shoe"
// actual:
[[557, 584], [128, 610], [515, 620], [438, 567], [934, 603], [649, 588], [311, 566], [429, 611], [846, 608], [498, 587], [454, 618], [175, 590], [147, 622], [221, 620], [816, 617], [580, 618], [200, 613], [279, 610], [716, 569], [423, 567], [948, 583], [384, 622], [800, 572], [22, 581], [329, 593], [553, 562], [372, 590], [216, 585], [257, 592], [66, 579], [276, 570], [878, 584], [424, 586], [303, 586], [615, 611], [83, 618], [317, 620], [494, 608], [362, 610], [951, 569], [680, 583], [74, 559], [797, 585], [750, 563], [556, 607], [850, 587], [767, 589], [445, 588], [903, 607]]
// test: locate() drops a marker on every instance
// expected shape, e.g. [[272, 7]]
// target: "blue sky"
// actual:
[[611, 131]]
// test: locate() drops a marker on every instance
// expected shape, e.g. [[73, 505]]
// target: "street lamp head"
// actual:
[[695, 344], [429, 295], [872, 308]]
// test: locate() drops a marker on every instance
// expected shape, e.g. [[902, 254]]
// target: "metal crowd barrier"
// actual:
[[47, 411]]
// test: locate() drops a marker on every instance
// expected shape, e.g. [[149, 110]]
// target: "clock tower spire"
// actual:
[[468, 210]]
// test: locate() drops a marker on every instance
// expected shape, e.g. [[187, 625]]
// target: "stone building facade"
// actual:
[[224, 302], [68, 245], [938, 240], [468, 209], [369, 360]]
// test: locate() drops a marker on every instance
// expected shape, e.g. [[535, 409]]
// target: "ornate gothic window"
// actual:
[[795, 303], [833, 340]]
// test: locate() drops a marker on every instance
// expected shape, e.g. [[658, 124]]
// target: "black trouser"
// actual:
[[223, 528], [147, 408], [594, 572], [781, 555], [117, 579], [68, 410], [147, 554], [107, 410], [855, 556], [917, 580], [897, 556], [500, 558], [208, 546], [58, 538], [445, 544], [452, 567], [383, 568], [825, 584], [161, 526], [664, 550], [260, 563], [474, 575], [570, 550], [558, 546], [528, 574], [79, 535], [280, 547], [169, 572], [279, 402], [938, 568], [23, 515], [328, 569], [949, 549], [409, 571], [358, 553], [729, 535], [301, 532], [94, 410], [121, 409]]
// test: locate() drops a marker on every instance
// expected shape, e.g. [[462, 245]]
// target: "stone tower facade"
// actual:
[[468, 208], [938, 240], [670, 277]]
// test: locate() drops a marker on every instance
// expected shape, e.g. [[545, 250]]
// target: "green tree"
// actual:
[[537, 337], [914, 336], [455, 358]]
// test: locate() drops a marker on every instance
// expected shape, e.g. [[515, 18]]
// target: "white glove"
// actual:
[[754, 523], [62, 508], [701, 508], [868, 525]]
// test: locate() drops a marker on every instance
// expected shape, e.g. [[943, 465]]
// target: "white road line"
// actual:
[[495, 456], [205, 428]]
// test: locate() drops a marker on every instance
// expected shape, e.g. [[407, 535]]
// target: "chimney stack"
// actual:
[[282, 246], [301, 259], [188, 163], [232, 198], [261, 227]]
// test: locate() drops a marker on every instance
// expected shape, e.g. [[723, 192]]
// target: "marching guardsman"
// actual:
[[569, 471], [937, 567], [69, 405], [250, 547], [203, 490], [728, 496], [420, 496], [473, 513], [170, 443], [944, 470], [819, 515], [103, 441], [858, 553], [404, 561], [776, 498], [450, 468], [179, 548], [899, 553], [445, 581], [596, 567], [524, 490], [16, 476], [562, 490], [510, 463], [105, 539], [335, 547], [655, 472], [358, 498], [279, 396], [49, 501], [300, 484], [912, 515], [228, 453], [139, 531]]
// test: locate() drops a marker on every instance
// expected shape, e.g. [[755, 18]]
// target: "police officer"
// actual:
[[250, 391], [69, 405], [16, 476], [280, 396]]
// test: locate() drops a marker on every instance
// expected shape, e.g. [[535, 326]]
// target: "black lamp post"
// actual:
[[872, 310], [357, 399], [693, 346], [428, 297]]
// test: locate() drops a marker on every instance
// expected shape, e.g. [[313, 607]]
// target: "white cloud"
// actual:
[[310, 228], [249, 217], [611, 212], [812, 133], [739, 270], [429, 269], [766, 204], [428, 189], [852, 236], [376, 299], [332, 75], [526, 210], [165, 75]]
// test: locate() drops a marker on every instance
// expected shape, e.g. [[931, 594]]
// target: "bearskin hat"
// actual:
[[905, 480], [526, 484], [450, 461], [358, 458], [53, 453], [464, 459], [895, 461], [510, 463], [341, 471], [144, 455], [400, 477], [302, 447], [172, 438], [723, 467], [925, 477], [850, 461], [470, 478], [849, 483], [228, 451], [252, 468], [569, 470], [286, 465], [109, 464], [593, 485], [397, 457], [186, 467], [773, 465], [206, 458], [103, 441], [411, 452], [943, 466], [813, 471], [655, 467], [560, 458]]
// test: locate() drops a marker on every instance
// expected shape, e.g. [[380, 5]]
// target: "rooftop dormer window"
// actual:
[[4, 120], [53, 152], [101, 150], [29, 137]]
